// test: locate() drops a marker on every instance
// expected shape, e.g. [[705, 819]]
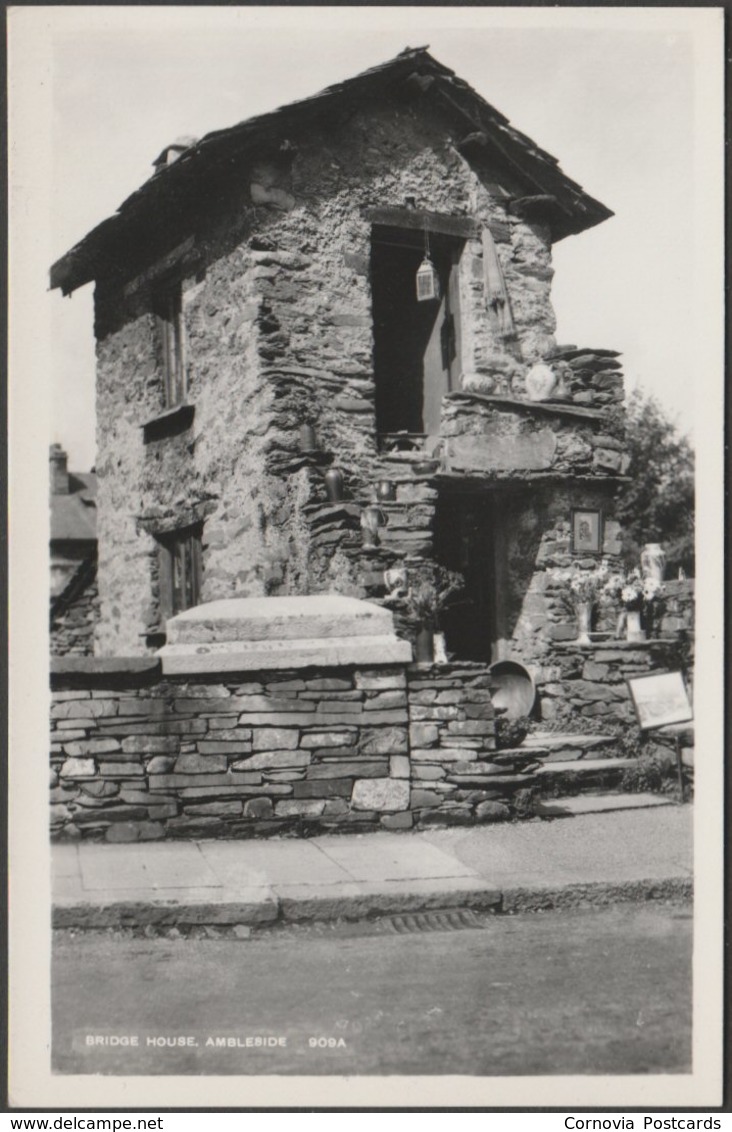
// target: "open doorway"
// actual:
[[416, 344], [469, 538]]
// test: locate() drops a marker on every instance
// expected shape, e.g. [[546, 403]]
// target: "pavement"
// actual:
[[639, 852]]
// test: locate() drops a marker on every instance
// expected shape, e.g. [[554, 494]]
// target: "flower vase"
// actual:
[[440, 649], [334, 485], [633, 631], [584, 622], [424, 645], [653, 561]]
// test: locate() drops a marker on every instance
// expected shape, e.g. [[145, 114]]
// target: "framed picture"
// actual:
[[659, 699], [586, 532]]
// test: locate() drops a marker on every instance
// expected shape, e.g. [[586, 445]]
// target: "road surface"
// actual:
[[576, 992]]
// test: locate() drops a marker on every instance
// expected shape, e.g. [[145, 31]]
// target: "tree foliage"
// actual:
[[657, 505]]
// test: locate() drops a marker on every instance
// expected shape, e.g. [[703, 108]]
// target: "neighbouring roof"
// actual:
[[485, 130], [74, 516]]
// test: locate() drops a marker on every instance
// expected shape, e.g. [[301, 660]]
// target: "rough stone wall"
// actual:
[[492, 436], [72, 626], [138, 757], [455, 778], [586, 684], [278, 330], [535, 610]]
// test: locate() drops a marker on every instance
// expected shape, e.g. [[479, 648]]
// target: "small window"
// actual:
[[179, 571], [169, 310]]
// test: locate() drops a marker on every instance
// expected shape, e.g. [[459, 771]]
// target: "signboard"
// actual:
[[660, 699]]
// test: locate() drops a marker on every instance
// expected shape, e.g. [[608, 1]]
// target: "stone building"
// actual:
[[73, 553], [263, 280], [326, 355]]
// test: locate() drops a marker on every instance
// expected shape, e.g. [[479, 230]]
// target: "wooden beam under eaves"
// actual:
[[444, 224]]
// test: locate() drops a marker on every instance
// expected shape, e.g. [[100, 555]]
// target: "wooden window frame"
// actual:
[[180, 570], [169, 313]]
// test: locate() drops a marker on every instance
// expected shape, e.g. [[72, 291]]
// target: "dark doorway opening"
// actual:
[[468, 538], [416, 344]]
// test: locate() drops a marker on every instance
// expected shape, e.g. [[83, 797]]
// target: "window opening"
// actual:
[[180, 570], [416, 343], [170, 322]]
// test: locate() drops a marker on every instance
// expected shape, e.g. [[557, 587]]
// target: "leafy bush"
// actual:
[[511, 732]]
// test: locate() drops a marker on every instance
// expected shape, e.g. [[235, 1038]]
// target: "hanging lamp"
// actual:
[[428, 281]]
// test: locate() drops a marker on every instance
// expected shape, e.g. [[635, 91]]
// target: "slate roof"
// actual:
[[74, 516], [476, 119]]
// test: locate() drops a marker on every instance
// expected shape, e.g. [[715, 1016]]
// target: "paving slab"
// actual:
[[612, 848], [64, 861], [387, 857], [602, 857], [272, 862], [150, 865]]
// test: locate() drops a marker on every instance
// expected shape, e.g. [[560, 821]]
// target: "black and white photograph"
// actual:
[[366, 409]]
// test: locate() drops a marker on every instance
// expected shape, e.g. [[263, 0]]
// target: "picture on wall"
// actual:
[[586, 532]]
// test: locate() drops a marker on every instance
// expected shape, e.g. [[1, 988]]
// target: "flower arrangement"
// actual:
[[634, 592], [427, 597], [585, 585]]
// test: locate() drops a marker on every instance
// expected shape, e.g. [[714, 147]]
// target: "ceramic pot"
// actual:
[[633, 631], [439, 652], [372, 520], [308, 442], [653, 561], [334, 485], [424, 645], [584, 622], [540, 382], [386, 491]]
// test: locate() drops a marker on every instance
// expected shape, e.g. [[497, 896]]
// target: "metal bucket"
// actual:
[[513, 688]]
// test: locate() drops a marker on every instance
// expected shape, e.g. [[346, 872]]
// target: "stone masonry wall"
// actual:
[[138, 757], [586, 684], [72, 624], [457, 775], [277, 311]]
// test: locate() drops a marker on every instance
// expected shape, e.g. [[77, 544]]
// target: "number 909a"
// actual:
[[326, 1043]]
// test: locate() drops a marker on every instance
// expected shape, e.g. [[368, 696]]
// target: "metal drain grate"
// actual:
[[455, 920]]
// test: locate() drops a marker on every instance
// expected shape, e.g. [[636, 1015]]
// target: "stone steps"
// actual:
[[600, 803], [563, 746]]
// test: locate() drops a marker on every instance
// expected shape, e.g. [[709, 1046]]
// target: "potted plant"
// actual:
[[585, 588], [426, 599]]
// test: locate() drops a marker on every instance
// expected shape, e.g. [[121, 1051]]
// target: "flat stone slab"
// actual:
[[600, 804], [272, 862], [169, 906], [314, 616], [145, 865], [585, 766], [393, 858], [262, 655], [554, 739], [354, 901]]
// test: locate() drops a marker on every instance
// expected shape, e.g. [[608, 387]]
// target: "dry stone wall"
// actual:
[[587, 684], [135, 756]]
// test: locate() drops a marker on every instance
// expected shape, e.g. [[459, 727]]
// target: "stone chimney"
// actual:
[[173, 151], [59, 474]]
